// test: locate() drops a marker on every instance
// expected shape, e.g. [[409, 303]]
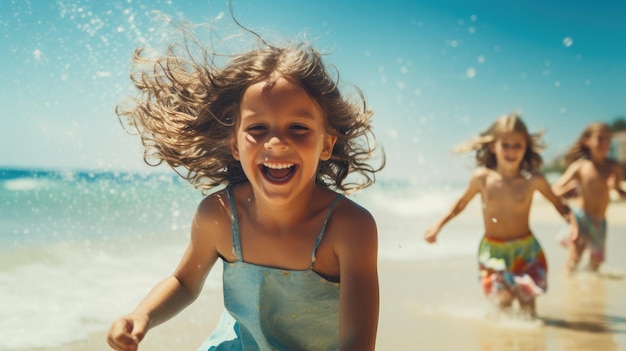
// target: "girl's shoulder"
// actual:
[[214, 206], [350, 215], [348, 207]]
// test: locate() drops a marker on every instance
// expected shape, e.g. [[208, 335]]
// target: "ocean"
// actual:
[[78, 249]]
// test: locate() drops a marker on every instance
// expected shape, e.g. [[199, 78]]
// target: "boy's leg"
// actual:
[[504, 299], [594, 266], [594, 262], [576, 249], [528, 308], [597, 247]]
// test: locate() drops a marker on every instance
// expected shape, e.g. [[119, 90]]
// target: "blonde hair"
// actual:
[[187, 111], [532, 160], [578, 150]]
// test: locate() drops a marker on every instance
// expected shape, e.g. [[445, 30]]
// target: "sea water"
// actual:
[[77, 249]]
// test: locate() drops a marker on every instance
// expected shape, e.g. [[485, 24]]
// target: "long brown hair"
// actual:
[[187, 110]]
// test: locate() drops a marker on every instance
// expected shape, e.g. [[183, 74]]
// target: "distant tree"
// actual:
[[619, 123]]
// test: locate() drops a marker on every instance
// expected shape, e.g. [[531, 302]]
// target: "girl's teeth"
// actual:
[[277, 166]]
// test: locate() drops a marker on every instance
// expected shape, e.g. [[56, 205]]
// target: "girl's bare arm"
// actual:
[[357, 252], [175, 292]]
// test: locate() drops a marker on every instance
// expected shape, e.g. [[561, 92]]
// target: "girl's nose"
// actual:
[[276, 144]]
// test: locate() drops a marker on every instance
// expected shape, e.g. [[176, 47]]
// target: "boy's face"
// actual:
[[599, 143], [280, 138], [509, 149]]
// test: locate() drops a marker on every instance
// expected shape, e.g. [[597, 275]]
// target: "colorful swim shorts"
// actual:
[[517, 265], [593, 232]]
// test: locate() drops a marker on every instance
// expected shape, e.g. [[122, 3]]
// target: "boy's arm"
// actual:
[[567, 180], [617, 183], [473, 188], [357, 252], [544, 188]]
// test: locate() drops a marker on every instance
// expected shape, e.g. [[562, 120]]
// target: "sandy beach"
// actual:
[[437, 304]]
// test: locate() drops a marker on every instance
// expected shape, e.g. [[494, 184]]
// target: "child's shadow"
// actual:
[[589, 323], [585, 305]]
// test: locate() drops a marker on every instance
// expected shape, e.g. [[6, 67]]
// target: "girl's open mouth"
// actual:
[[278, 172]]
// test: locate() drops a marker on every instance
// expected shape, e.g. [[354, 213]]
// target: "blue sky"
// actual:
[[435, 72]]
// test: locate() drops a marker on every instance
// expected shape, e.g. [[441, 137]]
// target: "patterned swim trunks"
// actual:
[[516, 265], [593, 232]]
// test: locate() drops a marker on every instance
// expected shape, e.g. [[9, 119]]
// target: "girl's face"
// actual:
[[509, 149], [598, 143], [280, 138]]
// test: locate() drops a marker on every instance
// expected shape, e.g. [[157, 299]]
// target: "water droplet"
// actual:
[[471, 72], [568, 41]]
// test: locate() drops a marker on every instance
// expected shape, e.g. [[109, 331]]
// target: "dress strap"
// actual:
[[321, 234], [235, 226]]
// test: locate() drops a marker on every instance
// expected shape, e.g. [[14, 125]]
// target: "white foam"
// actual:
[[424, 204], [77, 292], [25, 184]]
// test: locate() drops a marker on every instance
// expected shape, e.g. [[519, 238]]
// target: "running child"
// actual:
[[594, 174], [511, 261], [299, 259]]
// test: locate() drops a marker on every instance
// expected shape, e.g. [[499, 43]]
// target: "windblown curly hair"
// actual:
[[532, 160], [187, 110]]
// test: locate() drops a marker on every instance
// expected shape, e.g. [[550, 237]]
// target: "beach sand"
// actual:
[[438, 305]]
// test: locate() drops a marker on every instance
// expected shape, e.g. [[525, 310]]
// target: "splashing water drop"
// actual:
[[471, 72], [568, 41]]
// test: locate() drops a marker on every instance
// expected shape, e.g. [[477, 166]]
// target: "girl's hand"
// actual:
[[126, 333]]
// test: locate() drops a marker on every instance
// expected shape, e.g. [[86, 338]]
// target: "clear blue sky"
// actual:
[[435, 72]]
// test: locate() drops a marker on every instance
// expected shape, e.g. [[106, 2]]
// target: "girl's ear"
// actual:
[[234, 148], [329, 145]]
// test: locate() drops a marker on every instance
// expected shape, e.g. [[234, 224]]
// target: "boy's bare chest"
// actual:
[[507, 191], [595, 175]]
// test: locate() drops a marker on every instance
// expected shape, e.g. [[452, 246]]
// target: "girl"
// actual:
[[511, 262], [595, 175], [299, 259]]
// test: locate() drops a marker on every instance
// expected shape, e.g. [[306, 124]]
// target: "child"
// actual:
[[299, 259], [511, 261], [595, 175]]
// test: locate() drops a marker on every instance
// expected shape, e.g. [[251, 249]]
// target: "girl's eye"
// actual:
[[256, 129], [299, 128]]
